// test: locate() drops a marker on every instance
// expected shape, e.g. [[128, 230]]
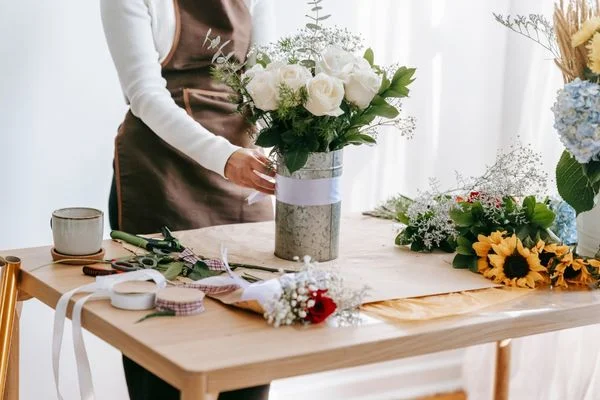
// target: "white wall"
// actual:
[[60, 105]]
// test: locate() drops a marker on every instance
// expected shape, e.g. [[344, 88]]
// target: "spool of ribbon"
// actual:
[[134, 295], [180, 300]]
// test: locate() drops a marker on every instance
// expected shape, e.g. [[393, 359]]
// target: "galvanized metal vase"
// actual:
[[308, 208]]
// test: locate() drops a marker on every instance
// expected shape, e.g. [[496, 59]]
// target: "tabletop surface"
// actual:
[[232, 348]]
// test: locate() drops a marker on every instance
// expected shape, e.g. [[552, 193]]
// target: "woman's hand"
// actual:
[[242, 168]]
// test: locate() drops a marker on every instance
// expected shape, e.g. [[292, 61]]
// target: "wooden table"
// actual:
[[225, 349]]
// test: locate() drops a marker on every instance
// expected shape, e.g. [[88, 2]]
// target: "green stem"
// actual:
[[129, 238], [261, 268]]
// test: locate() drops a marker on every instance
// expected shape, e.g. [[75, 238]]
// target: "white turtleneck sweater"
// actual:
[[140, 34]]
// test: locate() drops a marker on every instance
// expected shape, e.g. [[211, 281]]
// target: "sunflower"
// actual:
[[594, 53], [515, 265], [546, 252], [588, 28], [483, 248], [574, 271]]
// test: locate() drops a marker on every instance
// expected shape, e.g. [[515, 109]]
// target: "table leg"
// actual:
[[12, 380], [195, 389], [8, 310], [502, 375]]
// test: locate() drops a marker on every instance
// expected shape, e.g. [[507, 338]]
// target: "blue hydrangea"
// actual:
[[564, 224], [577, 119]]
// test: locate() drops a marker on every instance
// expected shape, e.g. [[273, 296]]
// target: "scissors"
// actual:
[[134, 263]]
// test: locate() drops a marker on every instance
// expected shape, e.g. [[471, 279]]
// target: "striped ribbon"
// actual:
[[189, 257]]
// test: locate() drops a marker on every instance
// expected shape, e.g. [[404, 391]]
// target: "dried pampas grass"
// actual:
[[569, 17]]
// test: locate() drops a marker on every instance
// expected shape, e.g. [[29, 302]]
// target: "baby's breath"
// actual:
[[297, 296]]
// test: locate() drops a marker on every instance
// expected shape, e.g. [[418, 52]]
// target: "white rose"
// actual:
[[361, 87], [275, 65], [294, 76], [337, 62], [325, 94], [263, 90], [333, 60], [257, 68], [358, 64]]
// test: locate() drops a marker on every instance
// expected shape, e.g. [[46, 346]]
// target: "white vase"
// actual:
[[588, 232]]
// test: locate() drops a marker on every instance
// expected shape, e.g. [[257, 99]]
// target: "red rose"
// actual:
[[323, 308]]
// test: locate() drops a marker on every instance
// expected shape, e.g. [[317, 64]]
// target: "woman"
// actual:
[[183, 156]]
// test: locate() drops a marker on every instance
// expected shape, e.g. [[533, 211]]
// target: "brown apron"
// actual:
[[158, 185]]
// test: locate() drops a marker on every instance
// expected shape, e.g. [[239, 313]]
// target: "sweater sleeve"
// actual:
[[128, 31]]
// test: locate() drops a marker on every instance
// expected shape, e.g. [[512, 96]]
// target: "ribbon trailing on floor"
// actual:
[[101, 288]]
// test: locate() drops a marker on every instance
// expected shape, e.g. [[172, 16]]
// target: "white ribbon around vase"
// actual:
[[303, 192], [101, 288]]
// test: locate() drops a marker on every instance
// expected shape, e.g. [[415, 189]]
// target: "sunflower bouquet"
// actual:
[[509, 261]]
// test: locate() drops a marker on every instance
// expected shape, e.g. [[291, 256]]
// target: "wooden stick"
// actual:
[[8, 304], [502, 374]]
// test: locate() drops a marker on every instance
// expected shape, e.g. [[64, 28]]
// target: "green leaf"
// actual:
[[462, 261], [324, 17], [296, 159], [463, 241], [395, 93], [317, 8], [385, 84], [174, 269], [201, 271], [403, 218], [465, 250], [359, 138], [523, 232], [542, 215], [402, 239], [592, 171], [382, 108], [418, 246], [402, 78], [461, 217], [268, 138], [369, 56], [573, 184], [363, 119], [313, 27], [448, 246], [167, 313], [263, 59], [529, 205]]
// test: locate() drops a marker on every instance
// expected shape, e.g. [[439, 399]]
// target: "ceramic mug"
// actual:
[[77, 231]]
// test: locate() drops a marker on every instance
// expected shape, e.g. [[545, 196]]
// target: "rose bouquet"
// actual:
[[311, 296], [312, 93]]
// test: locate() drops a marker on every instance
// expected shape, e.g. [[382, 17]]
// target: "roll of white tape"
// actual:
[[133, 295], [308, 192]]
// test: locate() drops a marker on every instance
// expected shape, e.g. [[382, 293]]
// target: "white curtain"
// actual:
[[477, 87]]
